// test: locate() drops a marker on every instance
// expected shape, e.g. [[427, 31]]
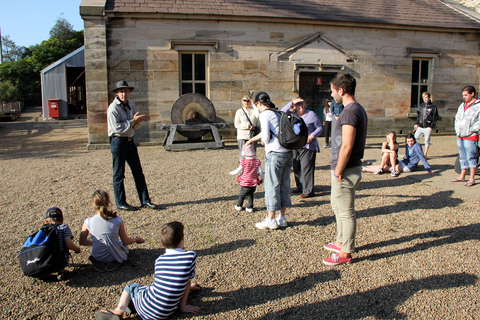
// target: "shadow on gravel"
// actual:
[[380, 303], [429, 239], [18, 139], [247, 297], [438, 200], [140, 263]]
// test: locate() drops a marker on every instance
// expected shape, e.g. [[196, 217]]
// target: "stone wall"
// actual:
[[139, 52]]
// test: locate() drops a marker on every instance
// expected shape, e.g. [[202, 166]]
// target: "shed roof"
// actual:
[[426, 13], [77, 62]]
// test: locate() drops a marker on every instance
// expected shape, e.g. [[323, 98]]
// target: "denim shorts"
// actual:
[[467, 153], [132, 289]]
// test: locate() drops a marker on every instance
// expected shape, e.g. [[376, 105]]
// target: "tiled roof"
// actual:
[[428, 13]]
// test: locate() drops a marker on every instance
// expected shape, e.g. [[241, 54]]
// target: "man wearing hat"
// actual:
[[122, 121]]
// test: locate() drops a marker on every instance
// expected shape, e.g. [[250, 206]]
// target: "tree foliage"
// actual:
[[62, 29], [20, 79], [10, 51]]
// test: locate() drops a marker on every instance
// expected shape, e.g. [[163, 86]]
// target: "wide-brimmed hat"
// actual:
[[123, 84]]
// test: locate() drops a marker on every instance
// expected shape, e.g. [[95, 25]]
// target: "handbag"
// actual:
[[256, 130]]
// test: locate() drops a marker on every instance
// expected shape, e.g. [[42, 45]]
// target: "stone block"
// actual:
[[137, 65]]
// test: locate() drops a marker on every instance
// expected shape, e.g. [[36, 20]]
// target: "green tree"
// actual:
[[10, 51], [62, 29]]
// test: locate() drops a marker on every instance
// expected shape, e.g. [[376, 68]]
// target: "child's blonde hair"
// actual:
[[100, 202]]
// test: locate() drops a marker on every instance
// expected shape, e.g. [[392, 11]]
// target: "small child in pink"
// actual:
[[252, 175]]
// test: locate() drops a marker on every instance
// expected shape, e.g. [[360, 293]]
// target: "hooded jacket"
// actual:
[[467, 122]]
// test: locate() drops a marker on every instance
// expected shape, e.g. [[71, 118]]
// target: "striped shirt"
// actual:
[[173, 270], [249, 176], [63, 231]]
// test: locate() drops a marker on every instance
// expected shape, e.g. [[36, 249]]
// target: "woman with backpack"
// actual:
[[278, 161], [304, 158]]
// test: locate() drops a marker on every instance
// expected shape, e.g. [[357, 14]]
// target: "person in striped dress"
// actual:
[[252, 175], [174, 271]]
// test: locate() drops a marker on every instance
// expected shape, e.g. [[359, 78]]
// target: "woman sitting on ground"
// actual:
[[413, 155], [389, 156]]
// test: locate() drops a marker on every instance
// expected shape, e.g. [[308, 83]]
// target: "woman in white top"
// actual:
[[278, 164], [246, 119]]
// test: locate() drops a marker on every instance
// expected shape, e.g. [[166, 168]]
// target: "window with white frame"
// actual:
[[421, 79], [193, 72]]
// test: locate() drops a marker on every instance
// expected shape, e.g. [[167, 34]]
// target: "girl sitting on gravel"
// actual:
[[413, 155], [105, 228], [389, 156], [252, 175]]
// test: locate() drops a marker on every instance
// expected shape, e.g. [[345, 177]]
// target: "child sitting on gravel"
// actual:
[[413, 155], [105, 227], [174, 271], [252, 175]]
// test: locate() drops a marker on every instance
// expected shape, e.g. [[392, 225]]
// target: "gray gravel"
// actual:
[[418, 244]]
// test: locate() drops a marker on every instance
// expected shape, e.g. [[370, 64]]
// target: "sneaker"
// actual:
[[267, 223], [393, 173], [331, 247], [379, 171], [282, 221], [97, 265], [335, 260], [325, 145], [238, 208], [250, 210], [112, 265]]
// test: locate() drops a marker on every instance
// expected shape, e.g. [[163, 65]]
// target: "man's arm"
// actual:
[[348, 139]]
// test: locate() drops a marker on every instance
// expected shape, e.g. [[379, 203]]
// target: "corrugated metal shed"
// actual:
[[54, 81]]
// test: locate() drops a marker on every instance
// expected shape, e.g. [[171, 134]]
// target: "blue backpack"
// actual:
[[41, 254]]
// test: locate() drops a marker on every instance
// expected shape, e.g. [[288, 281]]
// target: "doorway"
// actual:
[[314, 88]]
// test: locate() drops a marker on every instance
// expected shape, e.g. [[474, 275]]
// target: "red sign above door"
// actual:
[[319, 81]]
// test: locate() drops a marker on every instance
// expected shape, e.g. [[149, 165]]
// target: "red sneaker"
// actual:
[[331, 247], [335, 260]]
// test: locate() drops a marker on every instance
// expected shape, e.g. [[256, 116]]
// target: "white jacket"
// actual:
[[467, 123]]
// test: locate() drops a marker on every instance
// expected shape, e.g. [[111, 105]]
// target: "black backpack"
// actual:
[[293, 132], [41, 254]]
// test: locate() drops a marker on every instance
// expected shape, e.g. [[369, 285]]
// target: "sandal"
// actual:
[[470, 184], [458, 180], [106, 315]]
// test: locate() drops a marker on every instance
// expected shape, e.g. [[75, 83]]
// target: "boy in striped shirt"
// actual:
[[174, 271]]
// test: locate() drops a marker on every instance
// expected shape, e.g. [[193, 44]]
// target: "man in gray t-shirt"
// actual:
[[348, 146]]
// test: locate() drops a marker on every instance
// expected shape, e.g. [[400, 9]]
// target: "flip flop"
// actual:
[[106, 315], [457, 180], [470, 184]]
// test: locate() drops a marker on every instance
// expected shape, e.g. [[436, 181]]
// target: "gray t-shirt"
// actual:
[[353, 115], [106, 243]]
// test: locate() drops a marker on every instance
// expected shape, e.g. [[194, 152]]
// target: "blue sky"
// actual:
[[28, 22]]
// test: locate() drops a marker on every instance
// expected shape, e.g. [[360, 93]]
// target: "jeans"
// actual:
[[468, 153], [124, 150], [277, 180], [342, 200], [246, 192]]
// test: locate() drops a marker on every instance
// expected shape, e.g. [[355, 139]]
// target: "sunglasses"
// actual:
[[246, 100]]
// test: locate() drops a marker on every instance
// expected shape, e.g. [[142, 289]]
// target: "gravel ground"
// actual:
[[418, 244]]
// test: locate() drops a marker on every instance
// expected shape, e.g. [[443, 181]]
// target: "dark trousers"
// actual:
[[304, 169], [328, 125], [248, 193], [126, 151]]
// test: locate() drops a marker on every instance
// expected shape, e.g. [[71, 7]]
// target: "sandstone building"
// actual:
[[225, 49]]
